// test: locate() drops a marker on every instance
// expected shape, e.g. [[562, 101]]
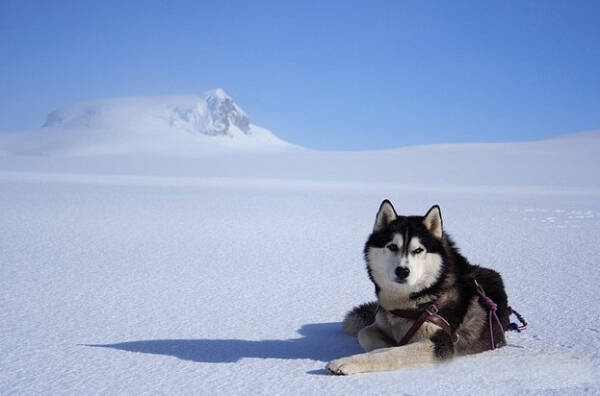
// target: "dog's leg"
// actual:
[[385, 359], [371, 338]]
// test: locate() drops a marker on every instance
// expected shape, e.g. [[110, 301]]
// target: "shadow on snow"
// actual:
[[319, 341]]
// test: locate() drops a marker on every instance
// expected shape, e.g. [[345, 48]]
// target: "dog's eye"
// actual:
[[393, 247], [417, 251]]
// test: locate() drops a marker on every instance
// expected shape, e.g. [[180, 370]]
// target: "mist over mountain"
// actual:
[[211, 121]]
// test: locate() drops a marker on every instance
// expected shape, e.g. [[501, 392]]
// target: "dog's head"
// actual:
[[404, 254]]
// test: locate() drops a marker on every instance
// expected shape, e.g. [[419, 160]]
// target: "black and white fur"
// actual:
[[412, 261]]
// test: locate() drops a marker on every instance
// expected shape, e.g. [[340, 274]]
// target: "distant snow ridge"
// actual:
[[173, 124]]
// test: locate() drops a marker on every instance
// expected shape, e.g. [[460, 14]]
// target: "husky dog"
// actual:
[[414, 264]]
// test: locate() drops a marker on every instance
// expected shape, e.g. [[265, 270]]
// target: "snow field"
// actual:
[[147, 285]]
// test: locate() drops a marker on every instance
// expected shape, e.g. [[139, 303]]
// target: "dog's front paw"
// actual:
[[345, 366]]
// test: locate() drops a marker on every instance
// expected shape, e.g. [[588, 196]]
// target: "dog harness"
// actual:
[[428, 314], [431, 314]]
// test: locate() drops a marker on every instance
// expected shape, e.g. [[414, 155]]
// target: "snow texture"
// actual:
[[230, 273]]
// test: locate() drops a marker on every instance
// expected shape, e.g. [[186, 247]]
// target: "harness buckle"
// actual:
[[432, 309]]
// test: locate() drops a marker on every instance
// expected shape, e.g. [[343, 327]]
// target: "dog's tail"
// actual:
[[360, 317]]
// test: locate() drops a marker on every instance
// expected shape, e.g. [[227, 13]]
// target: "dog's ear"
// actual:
[[433, 221], [385, 215]]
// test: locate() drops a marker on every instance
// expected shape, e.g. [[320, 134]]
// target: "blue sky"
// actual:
[[324, 74]]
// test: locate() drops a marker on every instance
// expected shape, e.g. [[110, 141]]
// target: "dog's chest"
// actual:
[[396, 327]]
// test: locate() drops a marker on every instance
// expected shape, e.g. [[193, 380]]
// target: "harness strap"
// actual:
[[429, 314], [416, 325], [443, 323], [492, 308], [513, 325]]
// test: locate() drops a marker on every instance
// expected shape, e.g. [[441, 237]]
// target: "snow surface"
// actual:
[[230, 273]]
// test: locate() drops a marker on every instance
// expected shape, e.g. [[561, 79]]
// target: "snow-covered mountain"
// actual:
[[189, 124]]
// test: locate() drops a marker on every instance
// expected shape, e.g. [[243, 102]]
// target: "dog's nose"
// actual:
[[402, 272]]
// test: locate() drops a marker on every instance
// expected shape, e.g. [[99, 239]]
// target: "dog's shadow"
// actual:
[[319, 341]]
